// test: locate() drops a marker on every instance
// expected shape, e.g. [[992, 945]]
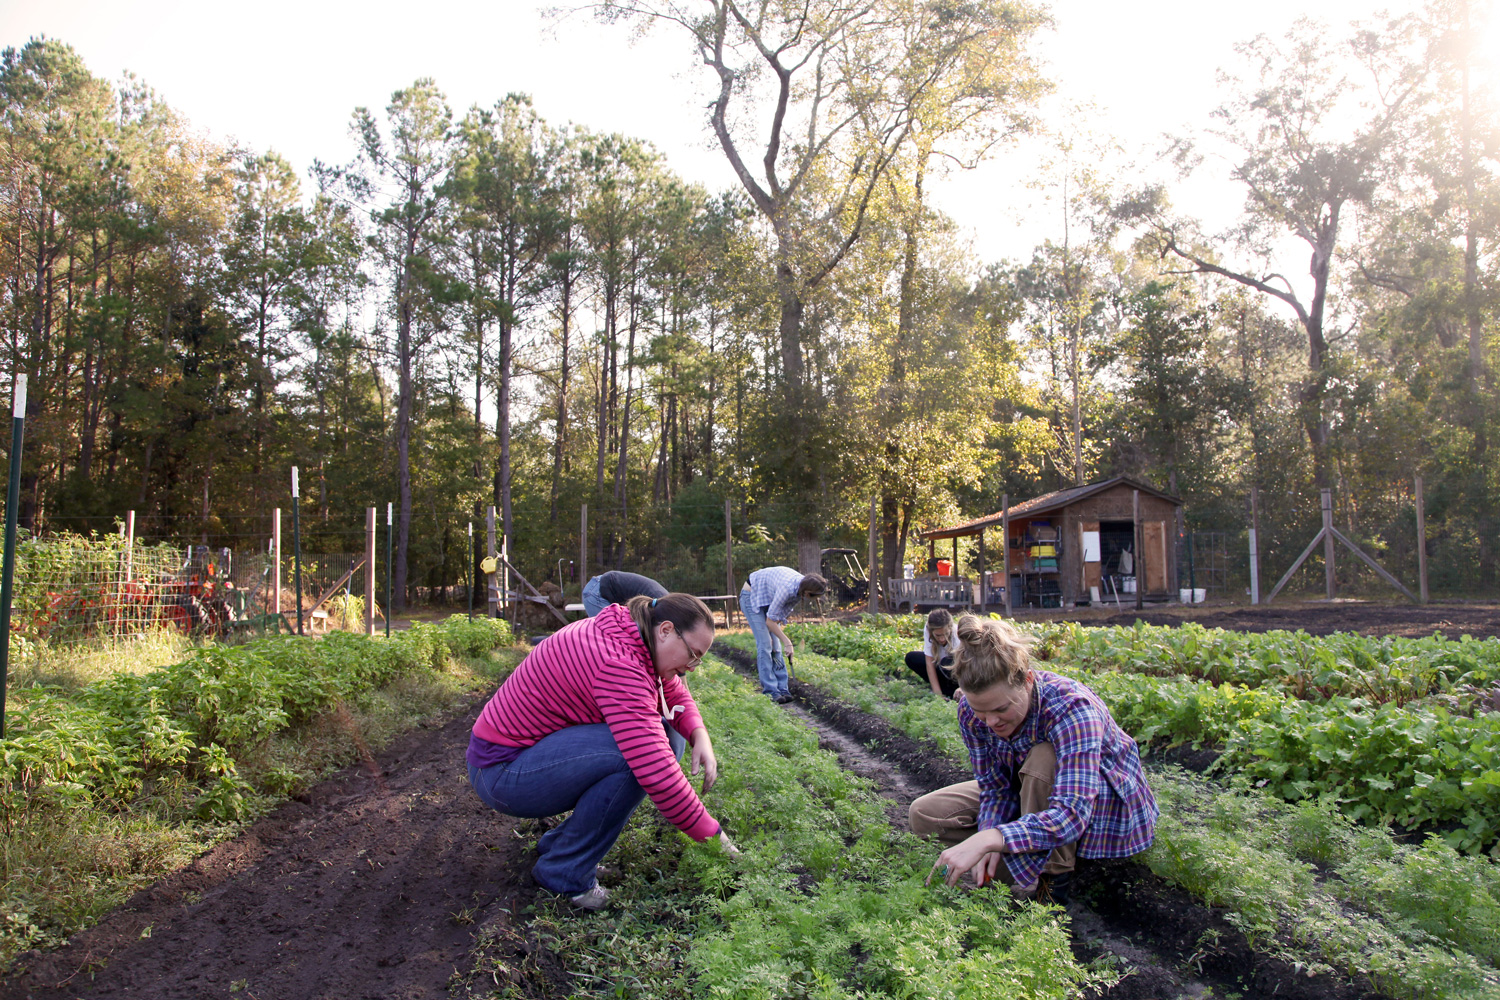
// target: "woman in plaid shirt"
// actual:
[[1055, 778]]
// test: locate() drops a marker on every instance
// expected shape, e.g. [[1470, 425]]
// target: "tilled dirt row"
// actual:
[[1178, 947], [1452, 619], [371, 885]]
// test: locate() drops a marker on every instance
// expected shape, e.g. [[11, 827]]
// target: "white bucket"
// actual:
[[1185, 596], [1199, 595]]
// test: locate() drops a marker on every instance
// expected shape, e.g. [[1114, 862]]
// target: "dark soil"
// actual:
[[372, 884], [1176, 945], [1453, 619], [1128, 895]]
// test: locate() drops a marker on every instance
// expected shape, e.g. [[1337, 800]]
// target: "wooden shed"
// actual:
[[1064, 547]]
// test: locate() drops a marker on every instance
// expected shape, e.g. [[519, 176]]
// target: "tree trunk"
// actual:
[[403, 438], [559, 442]]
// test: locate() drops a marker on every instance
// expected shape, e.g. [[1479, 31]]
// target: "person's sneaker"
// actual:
[[782, 699], [1055, 889], [591, 899]]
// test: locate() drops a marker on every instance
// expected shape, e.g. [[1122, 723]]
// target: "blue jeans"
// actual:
[[578, 768], [592, 602], [769, 664]]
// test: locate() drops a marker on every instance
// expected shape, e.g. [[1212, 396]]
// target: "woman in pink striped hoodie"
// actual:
[[593, 720]]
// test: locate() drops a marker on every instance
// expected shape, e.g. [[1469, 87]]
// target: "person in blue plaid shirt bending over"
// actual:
[[766, 602], [1055, 777]]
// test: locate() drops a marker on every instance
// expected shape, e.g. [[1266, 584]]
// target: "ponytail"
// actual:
[[684, 611]]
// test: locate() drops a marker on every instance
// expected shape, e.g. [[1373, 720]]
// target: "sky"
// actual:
[[286, 74]]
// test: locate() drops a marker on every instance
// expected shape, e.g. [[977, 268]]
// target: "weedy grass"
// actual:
[[825, 901], [1302, 880], [107, 787], [69, 666]]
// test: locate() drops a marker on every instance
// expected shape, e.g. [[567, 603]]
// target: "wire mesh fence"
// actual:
[[73, 588]]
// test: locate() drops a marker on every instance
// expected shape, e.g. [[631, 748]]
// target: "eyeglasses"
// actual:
[[694, 657]]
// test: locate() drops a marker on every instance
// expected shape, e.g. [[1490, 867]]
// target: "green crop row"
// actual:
[[826, 900], [103, 744], [1345, 664], [1377, 668], [1413, 919], [1417, 765]]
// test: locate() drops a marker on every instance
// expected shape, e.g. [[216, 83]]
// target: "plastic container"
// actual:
[[1185, 596], [1199, 595], [1127, 584], [944, 567], [1044, 550]]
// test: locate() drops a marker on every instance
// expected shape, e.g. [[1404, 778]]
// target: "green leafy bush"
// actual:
[[102, 744]]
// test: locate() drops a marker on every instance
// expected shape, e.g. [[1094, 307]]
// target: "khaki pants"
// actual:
[[952, 814]]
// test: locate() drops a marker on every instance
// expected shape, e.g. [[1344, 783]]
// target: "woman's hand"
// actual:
[[727, 845], [979, 855], [703, 758]]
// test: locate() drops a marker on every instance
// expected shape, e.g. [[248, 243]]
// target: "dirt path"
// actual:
[[371, 886], [1178, 948]]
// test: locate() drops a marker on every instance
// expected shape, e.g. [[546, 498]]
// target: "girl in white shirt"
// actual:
[[933, 661]]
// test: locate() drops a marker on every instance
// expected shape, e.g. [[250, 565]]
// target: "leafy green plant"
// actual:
[[1416, 920], [826, 899]]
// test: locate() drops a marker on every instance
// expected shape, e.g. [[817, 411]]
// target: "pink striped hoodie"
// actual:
[[599, 670]]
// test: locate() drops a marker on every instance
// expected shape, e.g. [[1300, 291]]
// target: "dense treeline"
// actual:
[[492, 308]]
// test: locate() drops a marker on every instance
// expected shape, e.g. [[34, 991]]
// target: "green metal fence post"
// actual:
[[388, 585], [12, 500]]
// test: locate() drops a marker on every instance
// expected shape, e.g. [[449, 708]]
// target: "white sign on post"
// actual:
[[1090, 546]]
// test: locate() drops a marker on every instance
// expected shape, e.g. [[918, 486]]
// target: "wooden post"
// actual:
[[1254, 546], [1140, 557], [297, 546], [728, 564], [370, 571], [130, 544], [983, 574], [872, 604], [1005, 547], [473, 574], [1421, 543], [583, 545], [1326, 501], [276, 562], [492, 598]]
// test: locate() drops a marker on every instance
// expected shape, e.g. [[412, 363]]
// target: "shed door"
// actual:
[[1154, 555], [1088, 548]]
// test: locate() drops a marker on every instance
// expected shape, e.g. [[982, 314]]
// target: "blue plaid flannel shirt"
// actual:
[[1100, 799], [774, 590]]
